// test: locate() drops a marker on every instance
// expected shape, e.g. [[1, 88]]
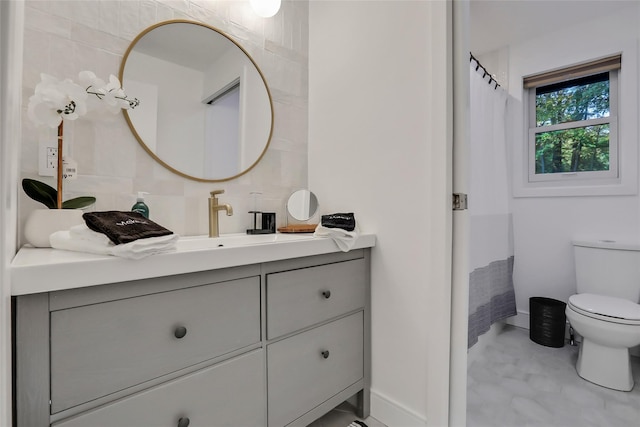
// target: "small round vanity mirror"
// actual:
[[205, 109], [302, 205]]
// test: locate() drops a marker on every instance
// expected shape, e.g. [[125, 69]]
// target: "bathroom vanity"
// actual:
[[275, 333]]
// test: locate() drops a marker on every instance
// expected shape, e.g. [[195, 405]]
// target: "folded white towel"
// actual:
[[83, 232], [343, 238], [82, 239]]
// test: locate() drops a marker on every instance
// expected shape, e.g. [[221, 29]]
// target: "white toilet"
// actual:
[[605, 311]]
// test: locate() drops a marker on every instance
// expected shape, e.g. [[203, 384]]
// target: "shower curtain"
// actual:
[[491, 293]]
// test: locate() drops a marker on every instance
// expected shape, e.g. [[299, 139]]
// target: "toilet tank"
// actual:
[[608, 267]]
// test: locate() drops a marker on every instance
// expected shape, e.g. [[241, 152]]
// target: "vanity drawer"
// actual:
[[300, 298], [300, 377], [229, 394], [103, 348]]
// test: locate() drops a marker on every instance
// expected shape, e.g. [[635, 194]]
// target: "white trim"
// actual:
[[610, 176], [439, 187], [520, 320], [604, 177], [461, 234], [392, 414], [572, 125], [11, 45]]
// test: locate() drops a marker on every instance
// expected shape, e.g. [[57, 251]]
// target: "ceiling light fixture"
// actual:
[[265, 8]]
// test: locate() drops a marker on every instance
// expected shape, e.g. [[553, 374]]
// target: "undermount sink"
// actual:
[[237, 240]]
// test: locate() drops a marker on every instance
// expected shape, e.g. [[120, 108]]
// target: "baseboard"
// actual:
[[391, 413], [520, 320]]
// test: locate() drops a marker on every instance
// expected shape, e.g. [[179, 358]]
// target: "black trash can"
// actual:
[[547, 321]]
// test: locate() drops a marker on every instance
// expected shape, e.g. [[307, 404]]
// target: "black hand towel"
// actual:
[[123, 227], [345, 221]]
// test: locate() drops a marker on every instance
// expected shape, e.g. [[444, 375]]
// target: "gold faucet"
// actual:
[[214, 207]]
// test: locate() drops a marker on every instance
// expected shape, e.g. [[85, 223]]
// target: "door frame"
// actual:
[[460, 227]]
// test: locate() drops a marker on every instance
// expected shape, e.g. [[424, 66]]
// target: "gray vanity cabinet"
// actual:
[[230, 393], [322, 306], [274, 344], [308, 368], [303, 297], [145, 337]]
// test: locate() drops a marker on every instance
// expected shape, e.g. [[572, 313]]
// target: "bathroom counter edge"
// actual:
[[36, 270]]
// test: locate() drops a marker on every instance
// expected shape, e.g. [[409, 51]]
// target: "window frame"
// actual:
[[527, 60], [601, 177]]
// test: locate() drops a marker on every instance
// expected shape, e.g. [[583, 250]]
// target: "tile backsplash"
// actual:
[[65, 37]]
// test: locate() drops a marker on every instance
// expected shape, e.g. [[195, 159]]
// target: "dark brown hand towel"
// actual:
[[123, 227], [345, 221]]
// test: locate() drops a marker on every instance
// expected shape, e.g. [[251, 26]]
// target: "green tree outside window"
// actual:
[[581, 148]]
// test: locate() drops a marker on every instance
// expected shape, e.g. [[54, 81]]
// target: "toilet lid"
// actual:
[[606, 306]]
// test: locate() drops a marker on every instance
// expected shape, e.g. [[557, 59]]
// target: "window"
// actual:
[[572, 120]]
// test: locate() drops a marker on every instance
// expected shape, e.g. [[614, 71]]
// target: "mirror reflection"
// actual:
[[302, 205], [206, 111]]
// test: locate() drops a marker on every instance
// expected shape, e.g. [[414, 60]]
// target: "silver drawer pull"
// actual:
[[183, 422], [326, 294], [180, 332], [325, 354]]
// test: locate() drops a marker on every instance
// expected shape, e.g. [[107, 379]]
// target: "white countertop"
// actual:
[[35, 270]]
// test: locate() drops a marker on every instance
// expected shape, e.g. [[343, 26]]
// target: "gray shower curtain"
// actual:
[[491, 292]]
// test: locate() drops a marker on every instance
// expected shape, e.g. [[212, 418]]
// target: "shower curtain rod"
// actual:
[[486, 72]]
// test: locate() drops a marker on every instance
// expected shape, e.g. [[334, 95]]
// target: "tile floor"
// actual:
[[516, 382], [342, 416]]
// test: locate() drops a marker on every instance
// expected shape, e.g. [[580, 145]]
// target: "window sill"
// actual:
[[586, 188]]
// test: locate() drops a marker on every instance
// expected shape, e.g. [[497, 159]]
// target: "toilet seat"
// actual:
[[605, 308]]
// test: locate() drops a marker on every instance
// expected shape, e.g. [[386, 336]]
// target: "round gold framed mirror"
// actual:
[[205, 110]]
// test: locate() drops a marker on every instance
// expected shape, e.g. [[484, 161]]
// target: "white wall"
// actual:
[[255, 123], [180, 113], [64, 37], [378, 146], [545, 226], [11, 20]]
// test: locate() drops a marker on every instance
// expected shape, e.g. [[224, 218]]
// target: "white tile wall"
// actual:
[[65, 37]]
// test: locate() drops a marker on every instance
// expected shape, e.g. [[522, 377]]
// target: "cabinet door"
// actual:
[[230, 394], [300, 298], [103, 348], [307, 369]]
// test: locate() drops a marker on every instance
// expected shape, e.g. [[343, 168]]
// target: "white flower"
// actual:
[[55, 100], [93, 86], [107, 97], [114, 95], [88, 79]]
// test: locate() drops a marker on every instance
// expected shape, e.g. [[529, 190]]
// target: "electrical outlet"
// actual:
[[52, 158], [47, 158]]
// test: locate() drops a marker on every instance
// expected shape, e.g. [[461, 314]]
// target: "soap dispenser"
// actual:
[[140, 206]]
